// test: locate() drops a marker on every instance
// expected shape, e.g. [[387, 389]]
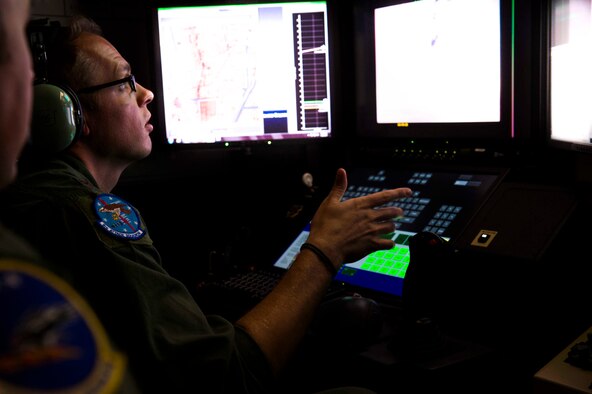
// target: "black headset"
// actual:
[[57, 114]]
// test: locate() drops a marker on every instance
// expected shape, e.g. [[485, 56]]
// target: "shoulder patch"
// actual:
[[117, 217], [50, 339]]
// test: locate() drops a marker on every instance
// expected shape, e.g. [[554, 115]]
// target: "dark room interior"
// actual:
[[498, 281]]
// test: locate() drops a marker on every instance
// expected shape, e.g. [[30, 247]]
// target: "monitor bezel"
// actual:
[[244, 145], [369, 130], [552, 142]]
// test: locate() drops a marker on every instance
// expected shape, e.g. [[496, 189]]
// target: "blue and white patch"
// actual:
[[117, 217], [50, 339]]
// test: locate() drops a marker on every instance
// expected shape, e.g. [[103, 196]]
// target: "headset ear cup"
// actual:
[[57, 118]]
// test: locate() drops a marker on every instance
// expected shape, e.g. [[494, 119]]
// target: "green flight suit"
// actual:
[[101, 241]]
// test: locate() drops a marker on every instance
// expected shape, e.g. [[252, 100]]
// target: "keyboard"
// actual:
[[255, 284], [234, 295]]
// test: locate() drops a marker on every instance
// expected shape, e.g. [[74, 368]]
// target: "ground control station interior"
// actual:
[[482, 108]]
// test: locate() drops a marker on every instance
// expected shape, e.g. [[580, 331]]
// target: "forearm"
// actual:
[[279, 322], [341, 232]]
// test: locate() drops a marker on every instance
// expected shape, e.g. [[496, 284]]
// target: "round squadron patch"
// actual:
[[50, 339], [118, 217]]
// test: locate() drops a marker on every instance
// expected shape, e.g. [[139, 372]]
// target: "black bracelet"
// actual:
[[322, 256]]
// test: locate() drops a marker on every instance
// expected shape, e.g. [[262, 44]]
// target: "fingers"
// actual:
[[381, 198], [385, 196], [372, 200], [387, 214], [383, 228], [339, 185]]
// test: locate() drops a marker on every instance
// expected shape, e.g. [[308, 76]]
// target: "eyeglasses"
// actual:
[[130, 79]]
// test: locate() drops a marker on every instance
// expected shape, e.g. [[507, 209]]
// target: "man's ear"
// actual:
[[85, 130]]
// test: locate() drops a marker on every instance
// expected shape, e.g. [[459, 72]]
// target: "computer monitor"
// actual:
[[244, 72], [434, 70], [569, 74]]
